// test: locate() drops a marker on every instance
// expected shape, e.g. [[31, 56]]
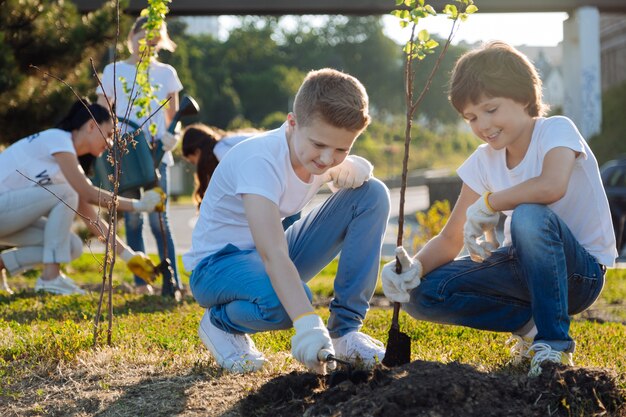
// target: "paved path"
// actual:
[[183, 217]]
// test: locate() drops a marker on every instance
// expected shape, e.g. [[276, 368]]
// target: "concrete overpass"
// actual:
[[581, 34]]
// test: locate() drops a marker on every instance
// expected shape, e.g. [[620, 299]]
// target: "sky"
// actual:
[[514, 28]]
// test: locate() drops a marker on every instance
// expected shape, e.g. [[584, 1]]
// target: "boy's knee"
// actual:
[[528, 219], [377, 193]]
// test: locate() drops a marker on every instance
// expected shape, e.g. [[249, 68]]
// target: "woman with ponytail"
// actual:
[[42, 187], [205, 146]]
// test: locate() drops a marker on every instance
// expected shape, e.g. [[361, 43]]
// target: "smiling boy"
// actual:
[[558, 238], [250, 274]]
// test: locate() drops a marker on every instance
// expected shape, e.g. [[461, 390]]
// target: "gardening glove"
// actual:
[[311, 338], [351, 173], [139, 264], [170, 140], [152, 200], [479, 230], [396, 286]]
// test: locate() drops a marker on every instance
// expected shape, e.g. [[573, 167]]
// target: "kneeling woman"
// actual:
[[42, 187]]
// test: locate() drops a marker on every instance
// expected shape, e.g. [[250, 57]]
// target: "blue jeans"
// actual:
[[134, 236], [234, 286], [544, 276]]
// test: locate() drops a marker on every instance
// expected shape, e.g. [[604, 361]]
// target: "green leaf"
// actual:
[[423, 35], [431, 44], [471, 9], [398, 3], [451, 11], [430, 10]]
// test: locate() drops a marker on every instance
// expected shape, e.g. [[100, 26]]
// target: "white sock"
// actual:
[[531, 333]]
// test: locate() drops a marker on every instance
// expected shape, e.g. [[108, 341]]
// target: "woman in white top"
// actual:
[[118, 87], [42, 186]]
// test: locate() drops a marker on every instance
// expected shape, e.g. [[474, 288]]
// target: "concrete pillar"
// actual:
[[581, 70]]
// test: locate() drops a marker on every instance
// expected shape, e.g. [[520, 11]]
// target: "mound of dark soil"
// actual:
[[434, 389]]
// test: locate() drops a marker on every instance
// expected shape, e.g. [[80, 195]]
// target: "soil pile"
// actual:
[[434, 389]]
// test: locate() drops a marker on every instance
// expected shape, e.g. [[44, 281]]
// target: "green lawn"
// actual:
[[41, 331]]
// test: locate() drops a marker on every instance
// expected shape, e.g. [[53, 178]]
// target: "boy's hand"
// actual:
[[311, 338], [479, 230], [351, 173], [139, 264], [397, 286]]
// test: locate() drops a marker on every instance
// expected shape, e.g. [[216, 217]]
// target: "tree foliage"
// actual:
[[53, 37], [258, 69]]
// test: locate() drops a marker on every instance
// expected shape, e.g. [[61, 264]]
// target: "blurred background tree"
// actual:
[[54, 37]]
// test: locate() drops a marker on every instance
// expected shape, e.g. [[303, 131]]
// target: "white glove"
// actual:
[[351, 173], [170, 140], [311, 338], [479, 230], [150, 200], [396, 286]]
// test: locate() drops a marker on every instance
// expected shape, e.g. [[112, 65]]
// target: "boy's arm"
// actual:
[[447, 245], [438, 251], [269, 239], [547, 188], [311, 339]]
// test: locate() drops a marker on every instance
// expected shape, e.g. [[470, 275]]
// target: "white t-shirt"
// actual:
[[584, 207], [164, 80], [227, 143], [262, 167], [33, 157]]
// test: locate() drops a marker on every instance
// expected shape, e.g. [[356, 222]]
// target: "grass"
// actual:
[[39, 333]]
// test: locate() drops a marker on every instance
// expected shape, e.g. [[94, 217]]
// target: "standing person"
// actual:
[[250, 274], [164, 79], [204, 147], [42, 186], [558, 238]]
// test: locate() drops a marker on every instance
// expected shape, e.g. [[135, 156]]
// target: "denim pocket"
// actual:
[[583, 291]]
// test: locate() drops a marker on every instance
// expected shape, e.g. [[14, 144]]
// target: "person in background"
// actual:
[[558, 239], [42, 187], [204, 147], [250, 274], [166, 85]]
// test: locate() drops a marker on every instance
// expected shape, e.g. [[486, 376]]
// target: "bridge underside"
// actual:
[[350, 7]]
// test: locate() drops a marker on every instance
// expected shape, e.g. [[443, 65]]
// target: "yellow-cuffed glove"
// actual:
[[160, 207], [140, 264]]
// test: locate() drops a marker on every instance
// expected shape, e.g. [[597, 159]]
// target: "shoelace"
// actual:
[[519, 348], [544, 352]]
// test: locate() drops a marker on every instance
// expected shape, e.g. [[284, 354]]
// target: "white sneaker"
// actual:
[[234, 352], [542, 352], [60, 285], [519, 348], [359, 349]]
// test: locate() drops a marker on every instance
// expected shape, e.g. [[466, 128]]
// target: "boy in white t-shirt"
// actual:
[[558, 238], [250, 274]]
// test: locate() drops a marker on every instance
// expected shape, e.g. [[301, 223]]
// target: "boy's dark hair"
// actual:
[[338, 99], [496, 69]]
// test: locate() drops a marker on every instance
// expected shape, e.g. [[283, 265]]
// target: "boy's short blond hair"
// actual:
[[496, 69], [337, 98]]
